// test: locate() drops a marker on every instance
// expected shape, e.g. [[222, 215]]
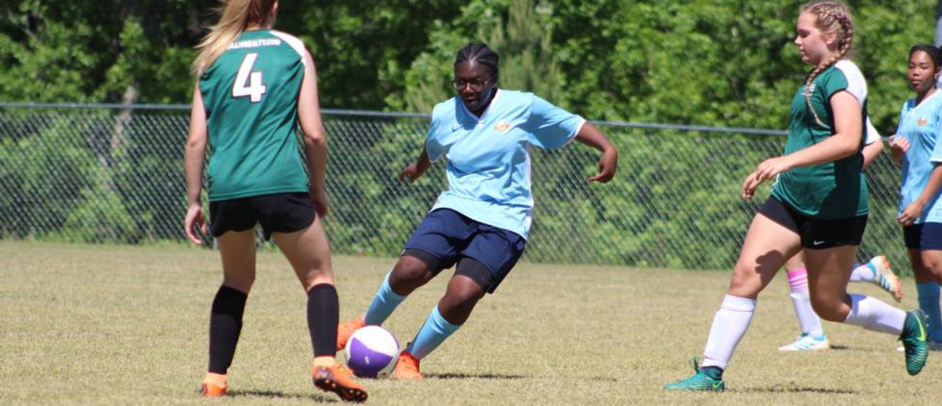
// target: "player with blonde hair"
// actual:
[[254, 85], [818, 203]]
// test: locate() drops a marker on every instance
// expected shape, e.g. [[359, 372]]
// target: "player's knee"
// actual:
[[242, 283], [828, 307], [409, 274], [744, 283]]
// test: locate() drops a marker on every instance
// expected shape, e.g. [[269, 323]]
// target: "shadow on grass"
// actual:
[[800, 389], [472, 376], [500, 376], [325, 398]]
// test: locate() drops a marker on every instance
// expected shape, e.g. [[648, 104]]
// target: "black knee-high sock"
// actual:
[[225, 324], [323, 314]]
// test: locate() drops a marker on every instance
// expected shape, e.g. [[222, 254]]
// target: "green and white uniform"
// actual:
[[832, 190], [251, 95]]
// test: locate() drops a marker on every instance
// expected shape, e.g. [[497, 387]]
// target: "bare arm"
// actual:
[[898, 147], [848, 126], [608, 163], [417, 169], [914, 210], [871, 152], [315, 138], [193, 157]]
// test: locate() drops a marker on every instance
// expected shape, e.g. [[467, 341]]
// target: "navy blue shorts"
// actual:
[[446, 237], [816, 234], [277, 213], [924, 236]]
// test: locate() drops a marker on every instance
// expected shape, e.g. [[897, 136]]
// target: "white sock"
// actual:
[[808, 320], [729, 326], [862, 273], [872, 314]]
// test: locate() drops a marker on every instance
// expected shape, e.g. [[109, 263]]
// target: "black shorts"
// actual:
[[277, 213], [923, 236], [816, 234]]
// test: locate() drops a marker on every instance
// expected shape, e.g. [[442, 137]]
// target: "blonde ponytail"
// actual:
[[235, 16], [831, 17]]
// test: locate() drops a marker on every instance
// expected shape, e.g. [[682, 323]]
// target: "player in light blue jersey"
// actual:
[[917, 149], [481, 223]]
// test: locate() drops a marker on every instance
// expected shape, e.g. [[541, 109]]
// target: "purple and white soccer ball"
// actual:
[[372, 352]]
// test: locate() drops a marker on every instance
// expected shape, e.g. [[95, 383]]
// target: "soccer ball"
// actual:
[[372, 352]]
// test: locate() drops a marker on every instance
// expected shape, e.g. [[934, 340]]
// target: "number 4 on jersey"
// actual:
[[248, 83]]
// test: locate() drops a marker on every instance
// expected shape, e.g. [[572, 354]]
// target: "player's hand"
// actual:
[[411, 173], [194, 217], [319, 197], [608, 164], [749, 186], [770, 168], [899, 144], [910, 214]]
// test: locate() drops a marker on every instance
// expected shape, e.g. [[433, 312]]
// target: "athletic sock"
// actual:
[[874, 315], [929, 303], [435, 330], [225, 324], [323, 314], [729, 326], [808, 320], [383, 303], [863, 273]]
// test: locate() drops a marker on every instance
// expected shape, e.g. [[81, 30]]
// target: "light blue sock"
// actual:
[[929, 303], [383, 304], [432, 334]]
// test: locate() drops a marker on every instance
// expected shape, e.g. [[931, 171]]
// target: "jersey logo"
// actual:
[[921, 121], [502, 126]]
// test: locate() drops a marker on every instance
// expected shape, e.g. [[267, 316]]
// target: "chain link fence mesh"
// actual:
[[109, 174]]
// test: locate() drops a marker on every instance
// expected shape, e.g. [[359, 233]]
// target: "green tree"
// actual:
[[520, 31]]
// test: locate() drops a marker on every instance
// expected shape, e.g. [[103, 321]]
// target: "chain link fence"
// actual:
[[114, 174]]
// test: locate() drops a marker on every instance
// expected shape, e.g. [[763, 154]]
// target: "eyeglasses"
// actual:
[[475, 85]]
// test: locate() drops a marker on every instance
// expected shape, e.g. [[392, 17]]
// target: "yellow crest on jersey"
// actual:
[[502, 126], [921, 121]]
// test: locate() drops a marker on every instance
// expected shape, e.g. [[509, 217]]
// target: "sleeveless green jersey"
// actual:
[[251, 95], [831, 190]]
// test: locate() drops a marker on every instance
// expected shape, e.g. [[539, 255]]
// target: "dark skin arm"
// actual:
[[417, 169], [608, 163], [914, 210], [588, 135]]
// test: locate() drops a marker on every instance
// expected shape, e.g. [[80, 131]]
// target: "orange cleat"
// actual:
[[337, 379], [213, 386], [345, 330], [407, 367]]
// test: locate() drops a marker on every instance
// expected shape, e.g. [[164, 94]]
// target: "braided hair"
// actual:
[[832, 17], [480, 54]]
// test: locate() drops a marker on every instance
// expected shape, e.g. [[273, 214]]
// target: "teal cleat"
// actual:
[[914, 341], [702, 381]]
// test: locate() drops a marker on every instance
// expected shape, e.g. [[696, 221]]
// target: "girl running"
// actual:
[[819, 204]]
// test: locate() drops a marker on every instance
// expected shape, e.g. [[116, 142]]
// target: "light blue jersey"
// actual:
[[488, 156], [922, 126]]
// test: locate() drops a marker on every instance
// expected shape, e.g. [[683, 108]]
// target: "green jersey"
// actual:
[[251, 96], [831, 190]]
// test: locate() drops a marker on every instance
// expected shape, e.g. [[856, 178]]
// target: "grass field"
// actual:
[[106, 325]]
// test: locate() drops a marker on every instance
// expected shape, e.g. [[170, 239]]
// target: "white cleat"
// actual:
[[885, 278], [805, 342]]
